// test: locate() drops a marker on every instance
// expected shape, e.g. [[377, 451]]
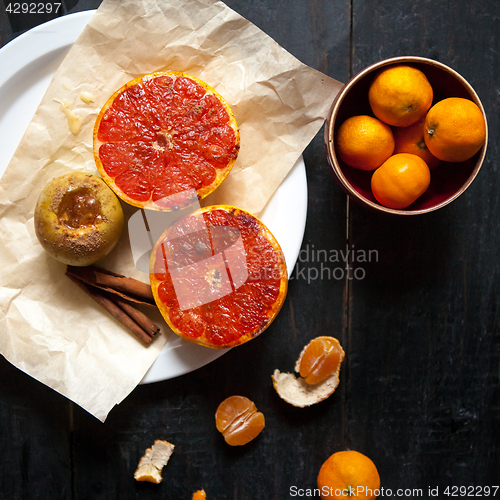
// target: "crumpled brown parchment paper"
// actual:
[[49, 328]]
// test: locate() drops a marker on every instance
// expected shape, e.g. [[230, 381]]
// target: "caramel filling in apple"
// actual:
[[79, 208]]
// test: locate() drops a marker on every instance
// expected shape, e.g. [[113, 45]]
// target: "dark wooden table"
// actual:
[[419, 390]]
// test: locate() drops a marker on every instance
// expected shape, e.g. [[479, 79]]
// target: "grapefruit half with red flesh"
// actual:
[[165, 140], [218, 276]]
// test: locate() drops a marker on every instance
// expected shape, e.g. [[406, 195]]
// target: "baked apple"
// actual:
[[78, 219]]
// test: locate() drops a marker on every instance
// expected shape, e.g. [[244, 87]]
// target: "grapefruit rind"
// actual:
[[272, 313], [297, 392], [221, 173]]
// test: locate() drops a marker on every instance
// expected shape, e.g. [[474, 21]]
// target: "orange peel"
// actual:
[[297, 392], [152, 463]]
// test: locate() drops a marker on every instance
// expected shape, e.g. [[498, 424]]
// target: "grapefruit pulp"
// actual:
[[165, 140], [218, 276]]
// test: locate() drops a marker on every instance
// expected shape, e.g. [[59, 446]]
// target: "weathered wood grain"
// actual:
[[424, 322], [35, 438]]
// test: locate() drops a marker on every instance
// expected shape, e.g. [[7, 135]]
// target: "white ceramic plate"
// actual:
[[28, 64]]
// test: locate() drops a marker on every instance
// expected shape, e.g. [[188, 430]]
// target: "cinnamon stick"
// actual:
[[114, 310], [127, 288], [149, 326]]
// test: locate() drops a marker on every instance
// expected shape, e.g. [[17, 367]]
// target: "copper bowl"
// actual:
[[448, 180]]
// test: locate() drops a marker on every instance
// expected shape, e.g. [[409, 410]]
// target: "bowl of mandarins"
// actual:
[[406, 136]]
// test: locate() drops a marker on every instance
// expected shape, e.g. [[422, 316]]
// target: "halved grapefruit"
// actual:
[[218, 276], [165, 140]]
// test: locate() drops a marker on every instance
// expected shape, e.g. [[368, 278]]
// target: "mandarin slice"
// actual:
[[238, 420], [165, 140], [199, 495], [218, 276], [320, 358]]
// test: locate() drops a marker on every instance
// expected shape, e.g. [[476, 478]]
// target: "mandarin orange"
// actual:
[[455, 129], [364, 142], [401, 180], [411, 140], [348, 473], [400, 95], [199, 495]]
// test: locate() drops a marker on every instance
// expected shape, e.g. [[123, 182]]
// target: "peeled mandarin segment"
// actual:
[[247, 431], [296, 390], [231, 409], [400, 95], [455, 129], [320, 359], [238, 420], [165, 140]]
